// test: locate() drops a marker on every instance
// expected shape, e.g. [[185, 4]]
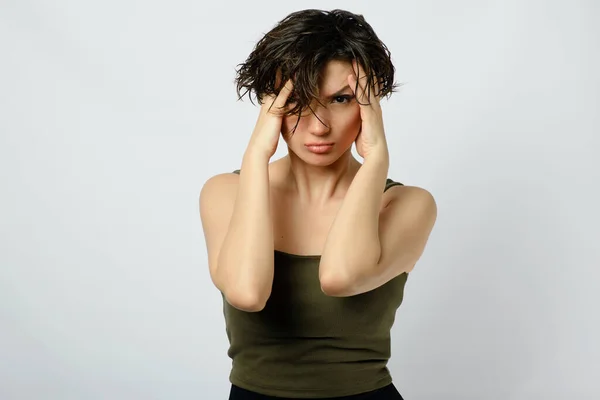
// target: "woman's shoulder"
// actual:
[[223, 178], [220, 185]]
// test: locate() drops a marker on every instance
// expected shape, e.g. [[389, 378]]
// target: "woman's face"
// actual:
[[323, 140]]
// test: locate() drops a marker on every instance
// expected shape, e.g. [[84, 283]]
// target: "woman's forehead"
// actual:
[[334, 77]]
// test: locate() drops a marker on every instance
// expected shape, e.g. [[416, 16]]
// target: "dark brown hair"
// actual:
[[300, 46]]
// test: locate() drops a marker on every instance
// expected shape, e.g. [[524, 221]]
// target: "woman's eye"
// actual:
[[342, 99]]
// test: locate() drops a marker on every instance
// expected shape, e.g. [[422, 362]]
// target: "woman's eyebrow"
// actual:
[[339, 92]]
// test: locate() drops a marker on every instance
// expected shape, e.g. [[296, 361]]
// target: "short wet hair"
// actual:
[[300, 46]]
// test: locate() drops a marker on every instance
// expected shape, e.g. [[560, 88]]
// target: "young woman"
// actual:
[[311, 251]]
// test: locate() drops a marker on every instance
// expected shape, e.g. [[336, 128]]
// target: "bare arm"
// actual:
[[236, 217], [240, 245], [368, 245], [353, 241]]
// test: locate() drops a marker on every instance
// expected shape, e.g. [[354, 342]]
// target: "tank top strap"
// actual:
[[389, 183]]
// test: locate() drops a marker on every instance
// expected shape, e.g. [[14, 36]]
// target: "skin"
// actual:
[[337, 119], [329, 204]]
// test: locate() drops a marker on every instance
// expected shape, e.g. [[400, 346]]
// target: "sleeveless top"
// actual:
[[306, 344]]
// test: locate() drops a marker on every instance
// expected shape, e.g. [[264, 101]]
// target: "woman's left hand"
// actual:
[[371, 141]]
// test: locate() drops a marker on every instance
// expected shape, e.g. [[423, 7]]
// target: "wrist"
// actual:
[[378, 158], [255, 157]]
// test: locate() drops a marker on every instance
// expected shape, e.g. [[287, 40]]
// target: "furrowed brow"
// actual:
[[339, 92]]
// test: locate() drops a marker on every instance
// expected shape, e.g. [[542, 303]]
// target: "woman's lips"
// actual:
[[319, 148]]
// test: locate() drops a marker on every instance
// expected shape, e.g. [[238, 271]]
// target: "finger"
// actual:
[[269, 99], [358, 90], [370, 93], [284, 93], [377, 89], [267, 102], [359, 71], [360, 77]]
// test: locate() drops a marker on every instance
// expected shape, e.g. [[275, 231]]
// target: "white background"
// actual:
[[113, 114]]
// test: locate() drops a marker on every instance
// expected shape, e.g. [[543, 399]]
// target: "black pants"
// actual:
[[388, 392]]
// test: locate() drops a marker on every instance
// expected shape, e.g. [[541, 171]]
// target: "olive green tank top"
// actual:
[[305, 344]]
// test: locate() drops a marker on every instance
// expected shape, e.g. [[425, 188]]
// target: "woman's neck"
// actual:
[[315, 184]]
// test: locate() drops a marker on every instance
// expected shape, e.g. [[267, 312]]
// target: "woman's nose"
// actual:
[[317, 123]]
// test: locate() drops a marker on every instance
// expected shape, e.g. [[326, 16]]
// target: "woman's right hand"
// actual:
[[267, 130]]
